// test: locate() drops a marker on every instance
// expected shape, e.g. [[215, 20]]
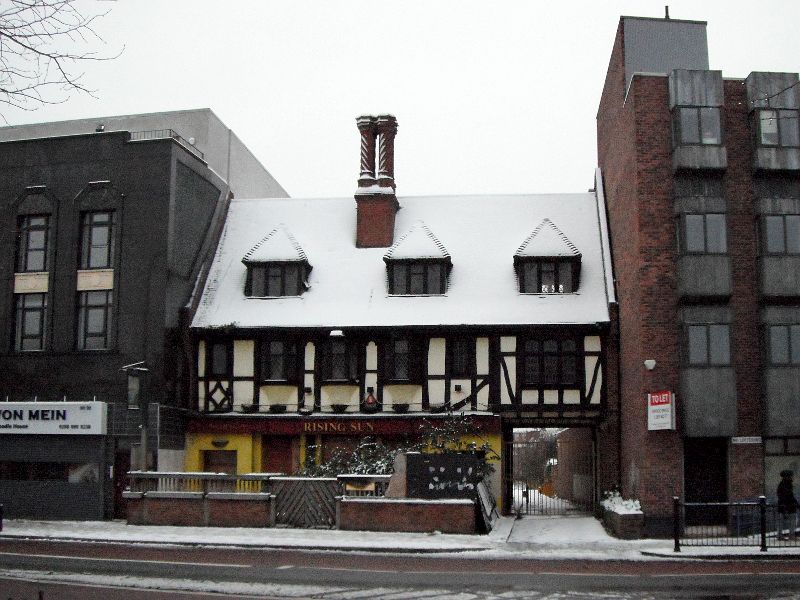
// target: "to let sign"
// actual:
[[660, 411], [53, 418]]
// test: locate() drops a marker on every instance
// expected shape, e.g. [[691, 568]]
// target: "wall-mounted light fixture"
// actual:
[[457, 387], [219, 443], [336, 333], [649, 364]]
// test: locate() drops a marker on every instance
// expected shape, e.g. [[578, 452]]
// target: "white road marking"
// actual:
[[285, 567], [128, 560]]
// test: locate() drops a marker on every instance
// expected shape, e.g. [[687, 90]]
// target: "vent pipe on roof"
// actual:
[[376, 203]]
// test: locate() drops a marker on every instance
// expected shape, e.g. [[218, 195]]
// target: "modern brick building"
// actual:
[[103, 236], [702, 178]]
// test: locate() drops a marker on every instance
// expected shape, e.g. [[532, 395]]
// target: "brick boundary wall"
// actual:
[[409, 515], [198, 510]]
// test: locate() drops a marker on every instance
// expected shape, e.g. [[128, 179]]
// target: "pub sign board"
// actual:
[[53, 418], [660, 411]]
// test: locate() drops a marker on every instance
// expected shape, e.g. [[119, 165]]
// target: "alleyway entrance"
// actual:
[[550, 471]]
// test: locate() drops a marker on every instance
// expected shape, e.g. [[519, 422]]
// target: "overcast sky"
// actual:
[[491, 97]]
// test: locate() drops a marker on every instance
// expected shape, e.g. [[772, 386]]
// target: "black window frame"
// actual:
[[784, 118], [552, 356], [403, 270], [85, 307], [258, 276], [784, 235], [684, 234], [340, 353], [89, 227], [558, 266], [414, 358], [709, 342], [791, 339], [24, 249], [216, 347], [461, 357], [288, 357], [679, 131], [21, 312]]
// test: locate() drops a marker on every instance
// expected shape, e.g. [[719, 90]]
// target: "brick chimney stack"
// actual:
[[376, 203]]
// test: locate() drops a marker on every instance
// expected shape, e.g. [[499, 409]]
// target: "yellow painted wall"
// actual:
[[247, 447]]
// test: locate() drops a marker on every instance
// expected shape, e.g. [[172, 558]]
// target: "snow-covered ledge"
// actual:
[[623, 519]]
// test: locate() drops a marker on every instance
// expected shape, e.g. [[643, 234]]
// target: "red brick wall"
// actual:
[[385, 515], [572, 449], [200, 511], [173, 511], [375, 221], [238, 513]]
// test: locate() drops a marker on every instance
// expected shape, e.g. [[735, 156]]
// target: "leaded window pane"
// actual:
[[710, 125], [695, 233], [548, 277], [401, 359], [338, 359], [532, 346], [417, 280], [274, 281], [399, 274], [779, 344], [292, 274], [435, 278], [715, 231], [719, 345], [530, 276], [532, 372], [793, 234], [768, 126], [550, 346], [569, 370], [551, 369], [794, 337], [698, 345], [774, 234], [690, 129], [788, 127], [565, 278], [257, 281], [219, 359]]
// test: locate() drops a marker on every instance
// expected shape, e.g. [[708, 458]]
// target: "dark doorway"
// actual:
[[277, 455], [705, 479], [219, 461], [122, 464]]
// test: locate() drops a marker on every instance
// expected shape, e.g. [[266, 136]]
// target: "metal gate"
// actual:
[[305, 501], [550, 471]]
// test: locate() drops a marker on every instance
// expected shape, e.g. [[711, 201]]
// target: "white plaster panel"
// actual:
[[201, 392], [95, 279], [511, 363], [243, 357], [242, 392], [372, 357], [201, 359], [277, 394], [589, 362], [466, 389], [31, 283], [551, 396], [572, 397], [436, 356], [436, 392], [339, 394], [482, 355], [483, 398], [371, 380], [530, 396], [404, 394], [309, 356], [508, 344], [591, 343]]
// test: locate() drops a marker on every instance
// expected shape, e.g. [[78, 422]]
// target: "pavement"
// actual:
[[570, 537]]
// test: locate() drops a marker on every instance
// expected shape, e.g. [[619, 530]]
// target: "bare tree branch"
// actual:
[[42, 44]]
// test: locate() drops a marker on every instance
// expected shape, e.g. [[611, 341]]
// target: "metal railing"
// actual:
[[754, 523], [152, 481], [159, 134]]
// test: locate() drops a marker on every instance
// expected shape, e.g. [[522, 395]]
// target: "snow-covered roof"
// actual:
[[547, 240], [417, 242], [278, 245], [348, 286]]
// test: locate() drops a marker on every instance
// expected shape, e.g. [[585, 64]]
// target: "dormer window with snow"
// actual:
[[547, 262], [276, 266], [418, 264]]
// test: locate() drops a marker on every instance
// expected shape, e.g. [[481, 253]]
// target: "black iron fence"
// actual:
[[756, 523]]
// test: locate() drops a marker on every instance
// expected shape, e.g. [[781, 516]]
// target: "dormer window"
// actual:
[[418, 264], [547, 262], [276, 266]]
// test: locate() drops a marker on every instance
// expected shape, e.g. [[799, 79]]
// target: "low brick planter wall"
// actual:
[[198, 509], [404, 514], [628, 526]]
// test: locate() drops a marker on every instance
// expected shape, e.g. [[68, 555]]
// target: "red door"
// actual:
[[276, 454]]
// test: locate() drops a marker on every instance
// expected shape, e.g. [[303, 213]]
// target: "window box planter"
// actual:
[[277, 408], [400, 407], [339, 408], [250, 408]]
